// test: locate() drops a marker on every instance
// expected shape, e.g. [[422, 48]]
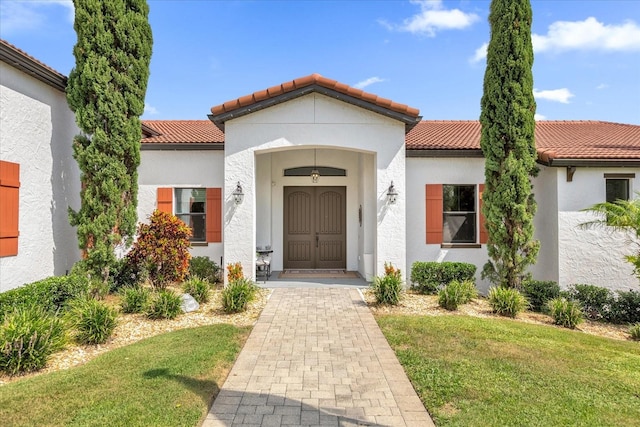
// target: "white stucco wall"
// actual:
[[334, 128], [439, 170], [36, 130], [593, 256], [179, 168], [545, 190]]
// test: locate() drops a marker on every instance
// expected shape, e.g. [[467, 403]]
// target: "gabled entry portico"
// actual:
[[315, 121]]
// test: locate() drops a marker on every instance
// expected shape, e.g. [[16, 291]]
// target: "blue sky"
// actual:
[[427, 54]]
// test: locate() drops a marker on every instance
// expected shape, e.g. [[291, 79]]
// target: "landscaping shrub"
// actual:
[[92, 321], [634, 331], [204, 268], [427, 277], [237, 295], [51, 294], [197, 288], [388, 288], [456, 293], [507, 301], [567, 313], [624, 307], [28, 336], [162, 249], [595, 301], [134, 300], [164, 304], [539, 292], [125, 274], [98, 289]]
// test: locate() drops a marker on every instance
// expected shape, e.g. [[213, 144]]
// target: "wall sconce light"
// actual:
[[237, 194], [392, 194], [315, 173]]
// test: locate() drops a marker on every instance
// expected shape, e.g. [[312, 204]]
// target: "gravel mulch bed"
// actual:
[[427, 305], [135, 327]]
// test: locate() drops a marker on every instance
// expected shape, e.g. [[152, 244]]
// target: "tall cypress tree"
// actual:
[[508, 144], [106, 90]]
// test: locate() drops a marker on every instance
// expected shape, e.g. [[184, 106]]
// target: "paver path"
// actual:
[[317, 357]]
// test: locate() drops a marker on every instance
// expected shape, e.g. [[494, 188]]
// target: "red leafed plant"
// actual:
[[162, 248]]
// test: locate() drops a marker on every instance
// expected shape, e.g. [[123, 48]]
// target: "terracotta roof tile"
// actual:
[[183, 132], [315, 79], [554, 139]]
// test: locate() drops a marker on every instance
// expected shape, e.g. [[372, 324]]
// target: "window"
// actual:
[[617, 189], [459, 213], [199, 208], [190, 208], [454, 215]]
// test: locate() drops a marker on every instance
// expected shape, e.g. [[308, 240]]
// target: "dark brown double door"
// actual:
[[314, 227]]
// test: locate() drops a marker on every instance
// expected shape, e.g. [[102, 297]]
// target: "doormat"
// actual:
[[318, 274]]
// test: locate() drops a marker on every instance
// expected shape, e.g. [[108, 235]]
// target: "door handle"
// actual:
[[317, 240]]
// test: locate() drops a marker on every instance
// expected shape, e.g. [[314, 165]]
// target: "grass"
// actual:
[[471, 371], [167, 380]]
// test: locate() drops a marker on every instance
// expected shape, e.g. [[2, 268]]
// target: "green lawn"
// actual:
[[471, 371], [167, 380]]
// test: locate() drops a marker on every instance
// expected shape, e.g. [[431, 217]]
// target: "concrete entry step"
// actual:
[[317, 357]]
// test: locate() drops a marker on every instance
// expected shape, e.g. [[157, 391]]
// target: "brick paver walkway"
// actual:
[[317, 357]]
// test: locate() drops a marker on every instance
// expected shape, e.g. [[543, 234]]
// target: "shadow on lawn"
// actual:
[[231, 402], [206, 389]]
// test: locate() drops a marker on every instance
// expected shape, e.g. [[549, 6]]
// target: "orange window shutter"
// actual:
[[165, 200], [434, 213], [214, 215], [484, 236], [9, 208]]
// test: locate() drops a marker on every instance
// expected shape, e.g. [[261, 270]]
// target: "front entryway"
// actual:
[[314, 227]]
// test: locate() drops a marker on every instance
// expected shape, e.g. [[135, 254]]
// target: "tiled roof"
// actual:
[[588, 139], [23, 61], [444, 135], [554, 139], [183, 132], [313, 79]]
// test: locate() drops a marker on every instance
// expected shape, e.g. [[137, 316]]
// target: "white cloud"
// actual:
[[480, 54], [602, 86], [16, 16], [433, 17], [580, 35], [538, 117], [589, 34], [150, 110], [368, 82], [557, 95]]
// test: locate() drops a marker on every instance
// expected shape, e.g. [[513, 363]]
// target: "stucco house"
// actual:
[[39, 178], [331, 177]]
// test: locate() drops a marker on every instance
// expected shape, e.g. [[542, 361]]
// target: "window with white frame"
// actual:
[[459, 213], [190, 207]]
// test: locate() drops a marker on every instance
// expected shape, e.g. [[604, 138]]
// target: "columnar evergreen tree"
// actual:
[[508, 144], [106, 90]]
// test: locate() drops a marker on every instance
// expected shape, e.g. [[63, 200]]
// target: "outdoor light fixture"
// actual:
[[315, 173], [238, 195], [392, 194]]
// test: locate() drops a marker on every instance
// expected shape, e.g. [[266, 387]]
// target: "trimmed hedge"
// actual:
[[539, 293], [428, 277], [602, 304], [51, 294]]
